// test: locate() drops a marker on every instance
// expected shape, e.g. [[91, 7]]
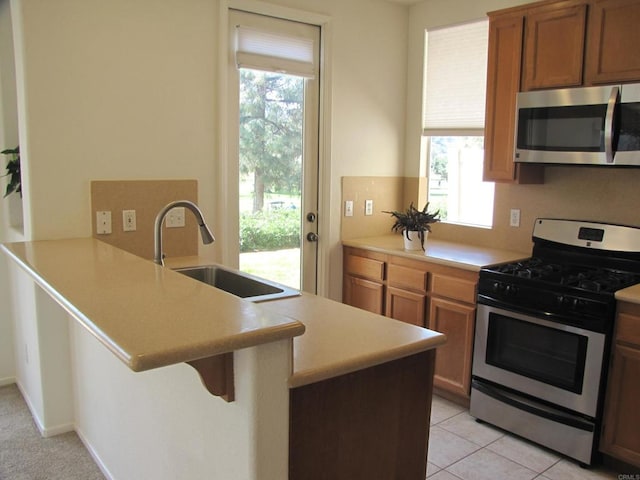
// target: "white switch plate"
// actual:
[[128, 220], [103, 222], [175, 217], [368, 207], [348, 208], [514, 217]]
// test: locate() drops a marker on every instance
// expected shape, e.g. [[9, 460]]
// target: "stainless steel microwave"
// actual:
[[579, 126]]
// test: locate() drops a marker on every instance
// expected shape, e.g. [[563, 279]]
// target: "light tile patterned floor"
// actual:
[[462, 449]]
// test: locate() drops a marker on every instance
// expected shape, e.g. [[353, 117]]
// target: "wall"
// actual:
[[8, 139], [585, 193]]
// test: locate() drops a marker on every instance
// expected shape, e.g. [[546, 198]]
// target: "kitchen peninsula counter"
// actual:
[[150, 316], [458, 255]]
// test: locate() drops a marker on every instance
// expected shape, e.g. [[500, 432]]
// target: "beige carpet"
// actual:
[[26, 455]]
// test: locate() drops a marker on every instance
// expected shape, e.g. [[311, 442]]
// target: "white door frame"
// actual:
[[226, 221]]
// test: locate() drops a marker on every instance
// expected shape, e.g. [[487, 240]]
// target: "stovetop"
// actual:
[[582, 277], [574, 271]]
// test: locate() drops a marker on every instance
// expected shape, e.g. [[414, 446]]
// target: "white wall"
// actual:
[[163, 424], [8, 139]]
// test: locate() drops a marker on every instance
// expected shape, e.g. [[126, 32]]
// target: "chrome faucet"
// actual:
[[207, 236]]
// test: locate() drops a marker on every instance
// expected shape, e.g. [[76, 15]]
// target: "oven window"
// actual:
[[545, 354], [562, 129]]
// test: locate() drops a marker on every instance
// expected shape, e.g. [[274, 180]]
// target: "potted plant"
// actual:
[[13, 171], [414, 225]]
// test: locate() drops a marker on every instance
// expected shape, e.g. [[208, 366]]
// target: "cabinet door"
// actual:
[[554, 47], [453, 360], [503, 84], [612, 47], [406, 306], [620, 437], [364, 294]]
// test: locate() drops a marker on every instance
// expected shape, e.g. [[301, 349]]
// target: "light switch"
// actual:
[[514, 217], [368, 207], [348, 208], [175, 218]]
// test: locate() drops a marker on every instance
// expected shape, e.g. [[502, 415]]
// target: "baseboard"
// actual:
[[45, 432], [96, 458], [7, 381]]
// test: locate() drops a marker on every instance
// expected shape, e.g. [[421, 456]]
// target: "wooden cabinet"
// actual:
[[551, 44], [422, 293], [554, 47], [362, 285], [406, 297], [503, 84], [452, 311], [620, 437], [612, 46]]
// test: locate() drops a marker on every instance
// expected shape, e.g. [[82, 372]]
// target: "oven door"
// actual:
[[557, 363]]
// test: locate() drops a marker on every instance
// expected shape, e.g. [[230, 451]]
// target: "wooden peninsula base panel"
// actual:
[[370, 424]]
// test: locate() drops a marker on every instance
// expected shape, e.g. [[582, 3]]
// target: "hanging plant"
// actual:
[[13, 171]]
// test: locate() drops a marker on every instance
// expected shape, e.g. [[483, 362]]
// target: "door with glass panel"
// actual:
[[274, 87]]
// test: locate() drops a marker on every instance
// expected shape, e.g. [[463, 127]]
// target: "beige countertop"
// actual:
[[629, 294], [458, 255], [150, 316], [147, 315]]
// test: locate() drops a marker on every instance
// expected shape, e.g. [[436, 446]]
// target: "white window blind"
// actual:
[[455, 79], [274, 52]]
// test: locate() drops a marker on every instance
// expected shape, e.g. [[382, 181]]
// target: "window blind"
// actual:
[[455, 79], [274, 52]]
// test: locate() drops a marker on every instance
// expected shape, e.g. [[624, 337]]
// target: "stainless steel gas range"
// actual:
[[543, 334]]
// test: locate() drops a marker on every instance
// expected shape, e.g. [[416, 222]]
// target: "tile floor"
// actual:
[[461, 448]]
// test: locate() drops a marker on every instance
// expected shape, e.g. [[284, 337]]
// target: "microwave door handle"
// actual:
[[608, 124]]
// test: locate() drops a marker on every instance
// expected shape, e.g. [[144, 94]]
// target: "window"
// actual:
[[454, 104]]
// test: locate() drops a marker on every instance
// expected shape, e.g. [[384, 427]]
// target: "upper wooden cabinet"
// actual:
[[612, 46], [554, 47], [503, 84], [552, 44]]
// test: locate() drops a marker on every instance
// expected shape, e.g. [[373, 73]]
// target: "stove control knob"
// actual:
[[498, 287], [511, 290]]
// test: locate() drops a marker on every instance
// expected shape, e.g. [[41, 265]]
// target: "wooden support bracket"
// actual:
[[216, 374]]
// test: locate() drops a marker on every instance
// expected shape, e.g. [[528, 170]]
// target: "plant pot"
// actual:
[[413, 242]]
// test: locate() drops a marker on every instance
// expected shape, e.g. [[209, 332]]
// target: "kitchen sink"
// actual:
[[238, 283]]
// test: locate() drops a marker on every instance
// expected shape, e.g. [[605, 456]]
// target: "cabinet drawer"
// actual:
[[407, 277], [452, 287], [365, 267]]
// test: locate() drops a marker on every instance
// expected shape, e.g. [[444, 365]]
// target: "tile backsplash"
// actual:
[[147, 198]]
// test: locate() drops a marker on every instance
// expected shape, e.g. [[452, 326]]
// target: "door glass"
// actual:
[[545, 354], [271, 153]]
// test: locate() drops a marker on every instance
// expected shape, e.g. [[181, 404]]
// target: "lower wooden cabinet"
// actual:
[[364, 294], [620, 437], [406, 306], [422, 293], [453, 360]]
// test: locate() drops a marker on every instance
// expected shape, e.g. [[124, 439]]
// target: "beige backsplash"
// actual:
[[147, 198], [610, 195]]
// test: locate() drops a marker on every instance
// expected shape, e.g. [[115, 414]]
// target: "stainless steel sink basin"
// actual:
[[238, 283]]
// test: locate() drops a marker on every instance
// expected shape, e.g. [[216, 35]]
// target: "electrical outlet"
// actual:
[[514, 218], [103, 222], [348, 208], [175, 218], [128, 220], [368, 207]]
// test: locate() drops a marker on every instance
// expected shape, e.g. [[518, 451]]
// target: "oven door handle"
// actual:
[[533, 407]]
